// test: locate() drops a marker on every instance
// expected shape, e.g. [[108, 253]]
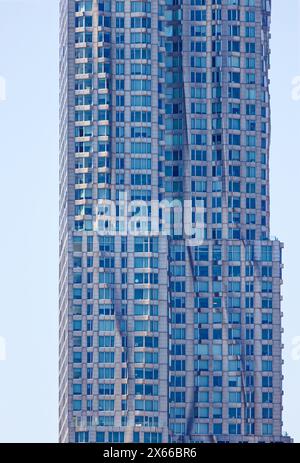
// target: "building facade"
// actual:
[[163, 339]]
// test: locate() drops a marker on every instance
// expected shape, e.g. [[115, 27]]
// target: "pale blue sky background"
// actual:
[[29, 231]]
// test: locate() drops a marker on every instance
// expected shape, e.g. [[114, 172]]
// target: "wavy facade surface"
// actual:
[[163, 338]]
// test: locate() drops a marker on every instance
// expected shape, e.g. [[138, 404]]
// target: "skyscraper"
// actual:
[[163, 338]]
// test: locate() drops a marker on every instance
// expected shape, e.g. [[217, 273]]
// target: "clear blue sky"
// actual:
[[29, 231]]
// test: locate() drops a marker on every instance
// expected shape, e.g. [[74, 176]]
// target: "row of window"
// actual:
[[118, 437]]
